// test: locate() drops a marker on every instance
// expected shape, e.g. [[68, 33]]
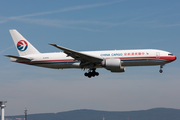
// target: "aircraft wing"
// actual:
[[84, 58]]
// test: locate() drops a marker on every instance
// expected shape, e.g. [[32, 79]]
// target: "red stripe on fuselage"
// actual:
[[166, 58], [64, 60], [43, 61]]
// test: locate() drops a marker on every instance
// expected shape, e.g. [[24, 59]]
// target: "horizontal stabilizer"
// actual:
[[18, 58]]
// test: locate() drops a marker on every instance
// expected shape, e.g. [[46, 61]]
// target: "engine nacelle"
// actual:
[[114, 65]]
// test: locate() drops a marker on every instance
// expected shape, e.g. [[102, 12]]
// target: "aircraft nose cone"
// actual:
[[172, 58]]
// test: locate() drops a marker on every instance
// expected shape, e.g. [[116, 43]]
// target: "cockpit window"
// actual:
[[170, 54]]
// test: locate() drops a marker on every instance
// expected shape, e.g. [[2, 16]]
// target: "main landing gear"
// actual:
[[91, 73], [161, 66]]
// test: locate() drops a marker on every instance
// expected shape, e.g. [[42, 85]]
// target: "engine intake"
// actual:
[[114, 65]]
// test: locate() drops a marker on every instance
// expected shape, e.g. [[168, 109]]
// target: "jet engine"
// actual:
[[114, 65]]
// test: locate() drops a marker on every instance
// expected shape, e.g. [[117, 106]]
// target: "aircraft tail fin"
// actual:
[[23, 46]]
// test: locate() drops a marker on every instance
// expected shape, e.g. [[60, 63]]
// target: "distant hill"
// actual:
[[151, 114]]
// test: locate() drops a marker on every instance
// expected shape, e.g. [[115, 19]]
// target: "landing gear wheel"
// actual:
[[160, 71], [86, 74], [96, 73], [91, 73], [161, 66], [89, 76]]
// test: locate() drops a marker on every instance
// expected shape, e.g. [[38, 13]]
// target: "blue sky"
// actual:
[[84, 26]]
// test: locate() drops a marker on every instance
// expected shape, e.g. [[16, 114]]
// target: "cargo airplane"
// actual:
[[112, 60]]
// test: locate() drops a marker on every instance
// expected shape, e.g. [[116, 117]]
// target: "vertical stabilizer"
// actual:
[[23, 46]]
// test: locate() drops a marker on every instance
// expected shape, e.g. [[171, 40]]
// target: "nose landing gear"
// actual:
[[161, 66], [91, 73]]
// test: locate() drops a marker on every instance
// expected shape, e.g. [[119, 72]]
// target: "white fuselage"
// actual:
[[141, 57]]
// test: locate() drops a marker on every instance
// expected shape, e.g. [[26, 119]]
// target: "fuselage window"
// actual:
[[170, 54]]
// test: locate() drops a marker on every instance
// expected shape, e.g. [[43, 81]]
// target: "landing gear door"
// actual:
[[157, 55]]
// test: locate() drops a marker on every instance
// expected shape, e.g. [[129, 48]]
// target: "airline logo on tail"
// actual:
[[22, 45]]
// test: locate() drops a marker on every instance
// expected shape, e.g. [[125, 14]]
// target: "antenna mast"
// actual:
[[25, 112], [2, 103], [103, 117]]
